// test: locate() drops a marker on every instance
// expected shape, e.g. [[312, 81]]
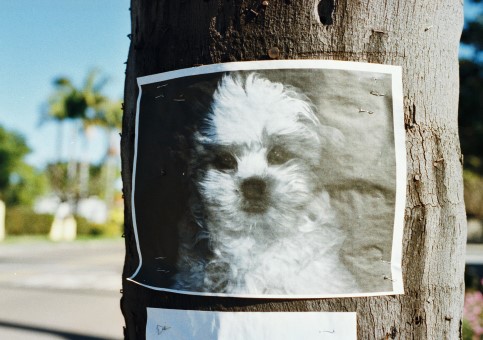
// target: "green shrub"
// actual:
[[467, 330], [112, 227], [84, 227], [23, 221]]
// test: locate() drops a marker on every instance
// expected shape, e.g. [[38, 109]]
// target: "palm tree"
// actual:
[[109, 118], [80, 105]]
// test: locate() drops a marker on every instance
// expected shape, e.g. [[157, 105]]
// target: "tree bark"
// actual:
[[422, 37]]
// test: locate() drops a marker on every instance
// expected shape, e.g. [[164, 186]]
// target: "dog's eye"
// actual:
[[278, 156], [225, 161]]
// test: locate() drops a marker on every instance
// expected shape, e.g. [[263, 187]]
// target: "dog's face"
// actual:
[[256, 156]]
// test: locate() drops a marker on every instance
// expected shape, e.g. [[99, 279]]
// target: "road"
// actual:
[[61, 290]]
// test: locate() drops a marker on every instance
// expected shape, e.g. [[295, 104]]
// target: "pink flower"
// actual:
[[473, 311]]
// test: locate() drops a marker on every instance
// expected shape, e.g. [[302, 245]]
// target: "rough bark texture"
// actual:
[[422, 36]]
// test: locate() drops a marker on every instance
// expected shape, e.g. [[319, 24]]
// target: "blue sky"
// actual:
[[43, 39]]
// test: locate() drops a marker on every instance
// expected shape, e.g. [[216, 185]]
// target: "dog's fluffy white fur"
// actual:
[[260, 221]]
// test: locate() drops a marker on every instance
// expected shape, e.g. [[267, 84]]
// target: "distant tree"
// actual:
[[26, 184], [68, 102], [80, 105], [471, 110], [93, 179], [109, 115], [12, 149], [471, 93], [20, 183], [110, 118], [57, 176]]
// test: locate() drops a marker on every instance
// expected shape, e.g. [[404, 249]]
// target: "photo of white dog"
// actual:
[[261, 222]]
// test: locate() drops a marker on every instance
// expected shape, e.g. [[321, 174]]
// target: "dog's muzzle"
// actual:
[[255, 194]]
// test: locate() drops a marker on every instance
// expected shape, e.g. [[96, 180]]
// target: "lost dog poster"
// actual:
[[270, 179]]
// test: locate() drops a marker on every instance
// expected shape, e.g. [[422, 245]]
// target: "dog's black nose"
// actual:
[[254, 188]]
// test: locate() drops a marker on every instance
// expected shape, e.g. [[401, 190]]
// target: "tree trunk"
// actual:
[[422, 37]]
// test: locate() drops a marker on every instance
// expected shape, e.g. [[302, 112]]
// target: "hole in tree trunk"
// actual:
[[325, 8]]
